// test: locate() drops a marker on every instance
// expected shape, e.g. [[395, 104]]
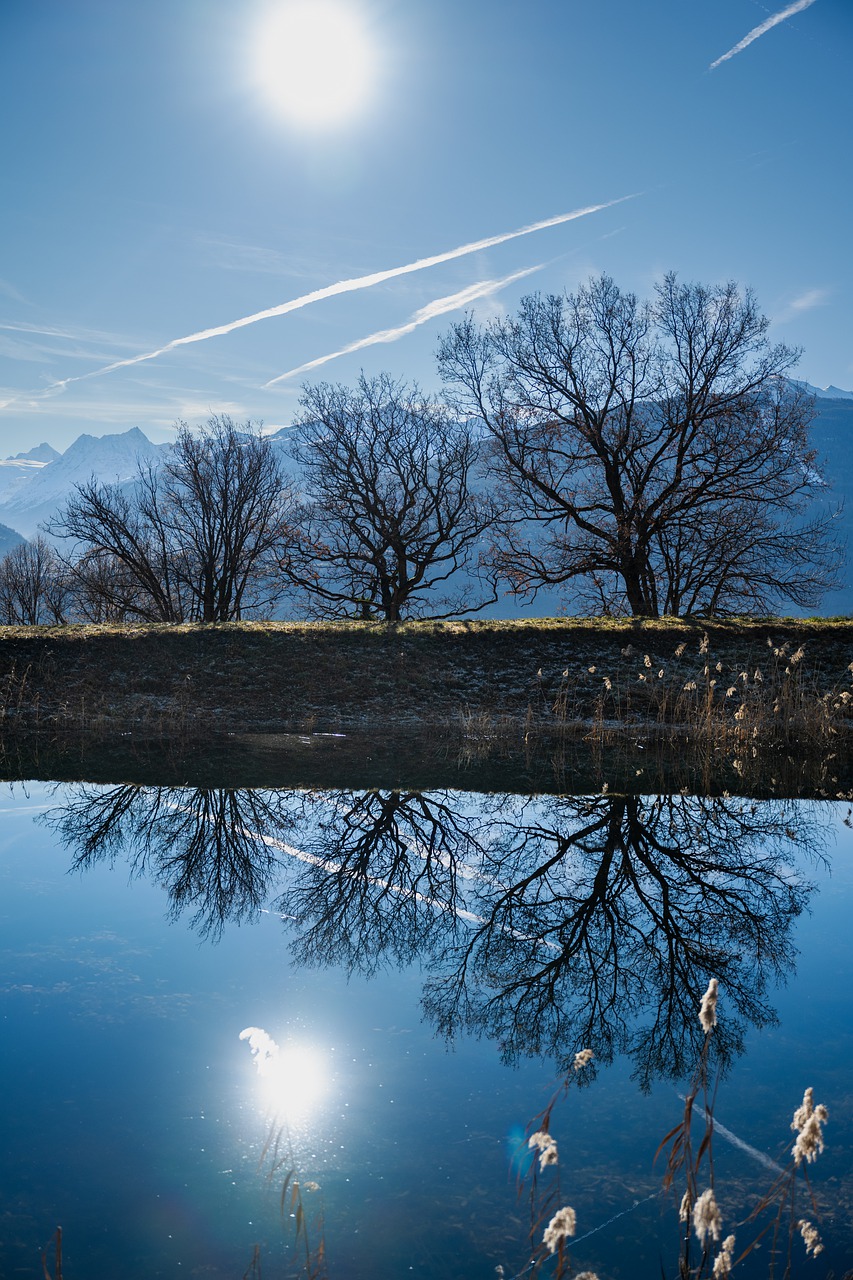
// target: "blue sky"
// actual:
[[155, 188]]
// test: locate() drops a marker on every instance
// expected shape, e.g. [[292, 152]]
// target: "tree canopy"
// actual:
[[654, 455], [390, 512]]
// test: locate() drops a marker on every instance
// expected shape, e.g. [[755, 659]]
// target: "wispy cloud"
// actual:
[[231, 255], [55, 331], [9, 291], [43, 343], [342, 286], [49, 331], [762, 29], [152, 408], [809, 300], [438, 307], [189, 408], [805, 302]]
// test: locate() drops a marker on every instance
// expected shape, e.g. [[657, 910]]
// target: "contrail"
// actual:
[[721, 1129], [763, 27], [345, 286], [439, 307]]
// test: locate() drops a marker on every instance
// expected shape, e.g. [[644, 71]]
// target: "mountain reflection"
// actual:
[[548, 924]]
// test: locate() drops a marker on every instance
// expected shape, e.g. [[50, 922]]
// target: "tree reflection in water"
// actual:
[[604, 919], [206, 846], [383, 881], [548, 924]]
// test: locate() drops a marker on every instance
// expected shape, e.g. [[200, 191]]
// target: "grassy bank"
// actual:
[[552, 673], [758, 707]]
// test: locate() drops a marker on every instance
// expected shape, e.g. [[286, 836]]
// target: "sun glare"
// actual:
[[292, 1077], [314, 61]]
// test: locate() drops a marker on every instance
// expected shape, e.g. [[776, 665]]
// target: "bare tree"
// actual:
[[105, 590], [33, 585], [121, 564], [380, 881], [655, 455], [199, 538], [390, 510]]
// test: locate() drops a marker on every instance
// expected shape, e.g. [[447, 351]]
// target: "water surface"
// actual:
[[427, 964]]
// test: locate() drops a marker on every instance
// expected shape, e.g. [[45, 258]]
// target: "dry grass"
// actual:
[[747, 703], [707, 1248], [485, 690], [278, 1163], [774, 697], [518, 627]]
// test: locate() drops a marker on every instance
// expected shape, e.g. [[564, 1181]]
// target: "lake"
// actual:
[[211, 996]]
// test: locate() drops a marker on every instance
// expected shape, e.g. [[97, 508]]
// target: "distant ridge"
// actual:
[[43, 452], [824, 393], [43, 488], [9, 539]]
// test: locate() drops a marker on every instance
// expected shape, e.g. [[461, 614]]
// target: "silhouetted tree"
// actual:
[[34, 586], [654, 455], [380, 882], [602, 920], [199, 538], [390, 509]]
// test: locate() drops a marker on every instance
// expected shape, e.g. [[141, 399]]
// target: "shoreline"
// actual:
[[738, 705], [280, 677]]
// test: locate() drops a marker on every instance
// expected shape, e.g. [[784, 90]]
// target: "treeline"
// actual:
[[643, 457]]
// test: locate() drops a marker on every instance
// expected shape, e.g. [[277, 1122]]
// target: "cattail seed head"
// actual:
[[707, 1219], [724, 1259], [811, 1239], [561, 1226], [546, 1146], [807, 1124], [708, 1008]]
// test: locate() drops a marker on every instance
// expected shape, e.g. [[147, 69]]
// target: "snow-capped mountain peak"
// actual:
[[825, 393], [43, 453], [36, 495]]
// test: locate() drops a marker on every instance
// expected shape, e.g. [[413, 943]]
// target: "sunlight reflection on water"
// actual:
[[292, 1080]]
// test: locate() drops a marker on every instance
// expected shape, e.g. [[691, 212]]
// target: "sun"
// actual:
[[314, 61]]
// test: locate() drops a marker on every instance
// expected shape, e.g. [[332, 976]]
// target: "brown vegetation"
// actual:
[[557, 675]]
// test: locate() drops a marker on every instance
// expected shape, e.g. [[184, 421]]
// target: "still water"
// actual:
[[414, 974]]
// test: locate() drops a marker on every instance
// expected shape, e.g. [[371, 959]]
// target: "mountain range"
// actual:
[[35, 485], [826, 393], [9, 539]]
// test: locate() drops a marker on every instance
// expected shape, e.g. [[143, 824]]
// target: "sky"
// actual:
[[344, 180]]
